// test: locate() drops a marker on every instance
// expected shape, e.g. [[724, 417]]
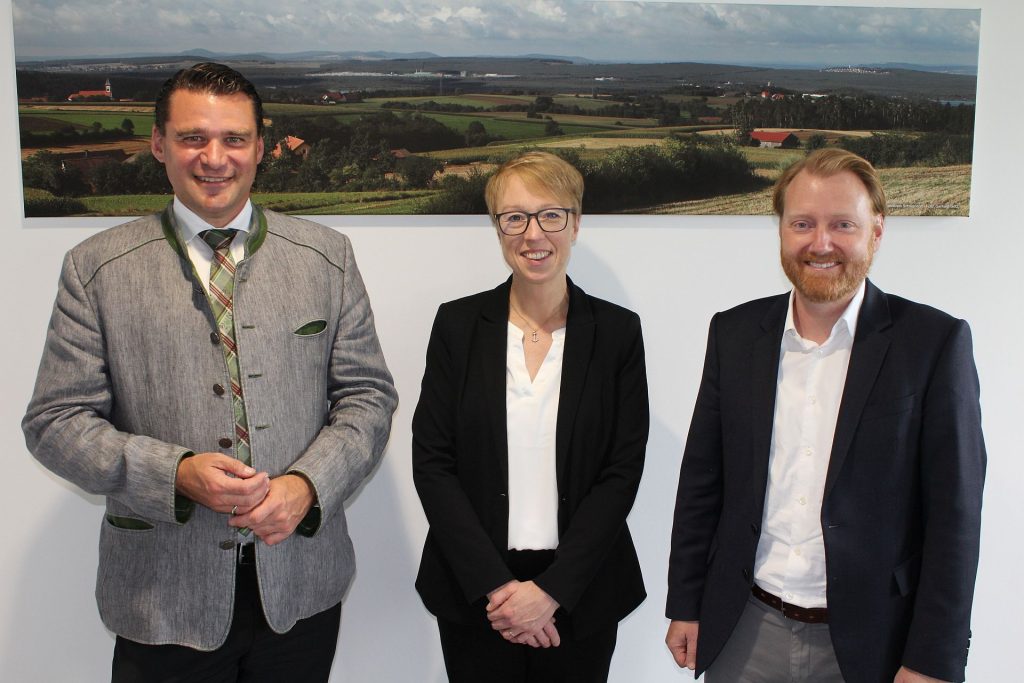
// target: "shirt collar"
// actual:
[[190, 224], [845, 327]]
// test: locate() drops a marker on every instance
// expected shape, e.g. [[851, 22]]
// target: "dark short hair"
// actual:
[[207, 77], [828, 162]]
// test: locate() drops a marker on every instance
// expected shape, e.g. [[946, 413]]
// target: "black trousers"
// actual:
[[476, 652], [252, 652]]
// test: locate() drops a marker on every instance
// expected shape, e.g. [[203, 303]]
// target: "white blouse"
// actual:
[[531, 410]]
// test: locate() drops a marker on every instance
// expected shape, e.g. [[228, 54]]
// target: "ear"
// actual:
[[259, 149], [878, 230], [576, 220], [156, 145]]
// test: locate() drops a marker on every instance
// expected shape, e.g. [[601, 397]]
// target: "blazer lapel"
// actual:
[[579, 345], [869, 348], [764, 363], [492, 351]]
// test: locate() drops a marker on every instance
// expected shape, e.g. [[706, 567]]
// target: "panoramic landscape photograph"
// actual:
[[406, 107]]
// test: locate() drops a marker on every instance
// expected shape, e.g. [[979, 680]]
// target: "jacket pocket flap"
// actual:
[[906, 575], [133, 523], [311, 328]]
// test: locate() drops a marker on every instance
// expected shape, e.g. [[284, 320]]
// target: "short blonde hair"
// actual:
[[828, 162], [540, 172]]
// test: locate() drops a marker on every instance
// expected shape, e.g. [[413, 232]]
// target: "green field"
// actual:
[[313, 203], [483, 101], [124, 205], [518, 128], [271, 108], [330, 203], [513, 126], [489, 101], [769, 158], [43, 120], [508, 129]]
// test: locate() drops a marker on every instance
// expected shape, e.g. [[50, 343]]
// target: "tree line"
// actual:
[[895, 151], [684, 168], [69, 135], [624, 106], [837, 112]]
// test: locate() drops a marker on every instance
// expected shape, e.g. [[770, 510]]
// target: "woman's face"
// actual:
[[535, 256]]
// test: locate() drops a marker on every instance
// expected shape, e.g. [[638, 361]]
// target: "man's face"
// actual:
[[828, 235], [210, 149]]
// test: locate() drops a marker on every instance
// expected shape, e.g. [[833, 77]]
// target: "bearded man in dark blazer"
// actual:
[[213, 371], [827, 519]]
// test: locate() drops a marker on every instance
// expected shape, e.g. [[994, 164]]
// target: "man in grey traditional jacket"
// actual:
[[214, 372]]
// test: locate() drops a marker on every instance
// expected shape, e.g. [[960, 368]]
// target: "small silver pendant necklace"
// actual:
[[533, 335]]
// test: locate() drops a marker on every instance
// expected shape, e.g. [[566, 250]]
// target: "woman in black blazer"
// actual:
[[528, 446]]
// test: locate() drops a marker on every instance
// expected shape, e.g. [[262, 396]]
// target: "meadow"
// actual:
[[914, 191], [302, 203], [943, 190]]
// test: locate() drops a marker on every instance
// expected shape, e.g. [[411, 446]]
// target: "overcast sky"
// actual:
[[615, 31]]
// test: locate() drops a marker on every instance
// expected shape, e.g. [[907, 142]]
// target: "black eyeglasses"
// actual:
[[550, 220]]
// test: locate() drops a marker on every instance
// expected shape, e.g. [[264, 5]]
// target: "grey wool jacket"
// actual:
[[126, 390]]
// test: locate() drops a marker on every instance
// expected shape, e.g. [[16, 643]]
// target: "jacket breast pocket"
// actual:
[[312, 328], [890, 408]]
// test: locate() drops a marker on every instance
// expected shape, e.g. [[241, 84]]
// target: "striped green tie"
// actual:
[[222, 287]]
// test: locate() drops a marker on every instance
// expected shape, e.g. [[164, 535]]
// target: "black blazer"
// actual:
[[902, 501], [460, 460]]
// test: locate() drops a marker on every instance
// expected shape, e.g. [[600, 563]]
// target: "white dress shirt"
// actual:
[[531, 410], [790, 560], [199, 252]]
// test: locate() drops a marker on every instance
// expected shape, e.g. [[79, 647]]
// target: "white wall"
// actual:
[[675, 272]]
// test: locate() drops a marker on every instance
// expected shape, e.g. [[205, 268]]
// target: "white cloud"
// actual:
[[641, 31], [547, 10]]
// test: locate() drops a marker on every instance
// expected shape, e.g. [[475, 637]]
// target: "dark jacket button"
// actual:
[[218, 389], [215, 338], [226, 545], [225, 442]]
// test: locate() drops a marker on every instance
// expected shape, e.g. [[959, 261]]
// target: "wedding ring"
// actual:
[[234, 511]]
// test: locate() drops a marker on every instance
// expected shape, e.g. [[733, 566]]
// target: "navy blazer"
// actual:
[[460, 460], [902, 501]]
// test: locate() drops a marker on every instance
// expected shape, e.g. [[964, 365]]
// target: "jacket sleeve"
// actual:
[[599, 518], [699, 496], [67, 425], [362, 398], [953, 463], [477, 563]]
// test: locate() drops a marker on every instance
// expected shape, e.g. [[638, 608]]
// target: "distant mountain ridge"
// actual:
[[375, 55]]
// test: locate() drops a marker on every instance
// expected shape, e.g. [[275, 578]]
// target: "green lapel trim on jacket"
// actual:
[[257, 231], [170, 234]]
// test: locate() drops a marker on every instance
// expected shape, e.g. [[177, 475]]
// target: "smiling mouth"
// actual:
[[536, 255], [212, 179], [822, 265]]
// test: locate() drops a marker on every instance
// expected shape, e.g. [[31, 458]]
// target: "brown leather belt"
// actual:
[[808, 615]]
